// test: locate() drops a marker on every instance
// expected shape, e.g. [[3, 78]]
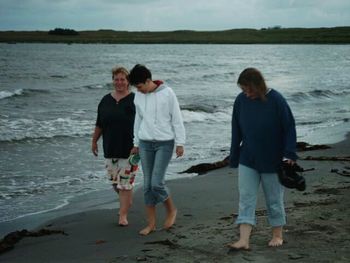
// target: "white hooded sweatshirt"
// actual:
[[158, 117]]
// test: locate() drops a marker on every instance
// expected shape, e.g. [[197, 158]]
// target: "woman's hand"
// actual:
[[289, 161], [94, 148], [97, 134], [179, 151], [134, 150]]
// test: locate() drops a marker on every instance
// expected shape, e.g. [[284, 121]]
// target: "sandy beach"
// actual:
[[317, 230]]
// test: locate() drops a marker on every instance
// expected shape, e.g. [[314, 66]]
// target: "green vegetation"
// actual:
[[335, 35], [63, 31]]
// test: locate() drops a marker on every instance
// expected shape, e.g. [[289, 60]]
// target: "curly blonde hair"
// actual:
[[116, 70]]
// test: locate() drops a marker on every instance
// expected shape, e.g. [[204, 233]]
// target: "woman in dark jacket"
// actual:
[[263, 135], [115, 122]]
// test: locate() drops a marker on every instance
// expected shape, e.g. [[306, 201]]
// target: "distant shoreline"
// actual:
[[332, 35]]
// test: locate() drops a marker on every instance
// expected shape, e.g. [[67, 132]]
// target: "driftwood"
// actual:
[[202, 168], [304, 146], [9, 241], [342, 173], [327, 158]]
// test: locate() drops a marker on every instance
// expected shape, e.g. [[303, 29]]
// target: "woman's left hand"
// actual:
[[179, 151], [134, 150], [289, 161]]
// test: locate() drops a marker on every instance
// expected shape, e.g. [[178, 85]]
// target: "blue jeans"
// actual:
[[155, 157], [248, 185]]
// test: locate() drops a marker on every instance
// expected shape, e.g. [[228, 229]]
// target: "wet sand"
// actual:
[[317, 230]]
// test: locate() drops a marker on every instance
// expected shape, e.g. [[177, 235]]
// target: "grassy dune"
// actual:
[[335, 35]]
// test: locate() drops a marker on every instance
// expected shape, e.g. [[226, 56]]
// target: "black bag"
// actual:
[[289, 176]]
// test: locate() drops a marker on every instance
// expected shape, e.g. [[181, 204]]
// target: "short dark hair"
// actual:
[[139, 74]]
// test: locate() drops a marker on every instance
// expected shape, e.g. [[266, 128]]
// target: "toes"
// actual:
[[276, 242], [146, 231]]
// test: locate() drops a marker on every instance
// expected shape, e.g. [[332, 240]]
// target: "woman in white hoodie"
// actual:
[[158, 128]]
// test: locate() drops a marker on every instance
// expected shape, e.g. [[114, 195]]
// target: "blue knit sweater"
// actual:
[[263, 132]]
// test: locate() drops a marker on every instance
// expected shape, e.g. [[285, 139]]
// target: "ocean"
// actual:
[[49, 95]]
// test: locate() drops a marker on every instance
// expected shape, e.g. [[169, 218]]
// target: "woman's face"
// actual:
[[120, 82], [249, 92]]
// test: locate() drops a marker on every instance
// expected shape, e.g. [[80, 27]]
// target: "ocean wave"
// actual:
[[224, 75], [61, 204], [26, 129], [59, 76], [99, 86], [56, 191], [201, 116], [199, 108], [302, 123], [317, 94], [21, 92], [34, 188], [30, 92], [8, 94], [31, 129]]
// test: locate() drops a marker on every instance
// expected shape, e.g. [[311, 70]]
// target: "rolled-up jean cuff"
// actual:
[[277, 222], [242, 220]]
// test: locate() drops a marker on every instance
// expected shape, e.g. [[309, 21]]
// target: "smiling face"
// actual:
[[120, 82]]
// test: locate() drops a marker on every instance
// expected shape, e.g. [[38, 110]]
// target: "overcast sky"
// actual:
[[158, 15]]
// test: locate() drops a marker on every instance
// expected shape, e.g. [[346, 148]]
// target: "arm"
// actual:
[[95, 137], [137, 124], [236, 136], [178, 126], [289, 132]]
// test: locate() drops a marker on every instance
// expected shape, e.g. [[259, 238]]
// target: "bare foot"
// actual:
[[239, 245], [170, 219], [276, 242], [123, 221], [147, 230]]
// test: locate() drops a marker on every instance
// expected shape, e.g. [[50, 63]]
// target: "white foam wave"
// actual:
[[7, 94], [329, 132], [200, 116], [60, 205], [20, 129]]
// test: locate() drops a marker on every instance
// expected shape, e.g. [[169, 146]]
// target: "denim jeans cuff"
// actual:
[[277, 222], [245, 220]]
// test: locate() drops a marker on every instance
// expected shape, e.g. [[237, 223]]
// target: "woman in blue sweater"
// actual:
[[263, 135]]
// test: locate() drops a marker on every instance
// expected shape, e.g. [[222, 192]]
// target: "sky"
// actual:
[[168, 15]]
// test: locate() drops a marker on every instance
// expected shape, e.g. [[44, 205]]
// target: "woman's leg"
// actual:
[[171, 212], [147, 155], [164, 152], [151, 219], [244, 237], [125, 198], [248, 185], [274, 195]]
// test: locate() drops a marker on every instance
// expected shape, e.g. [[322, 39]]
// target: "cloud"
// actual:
[[156, 15]]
